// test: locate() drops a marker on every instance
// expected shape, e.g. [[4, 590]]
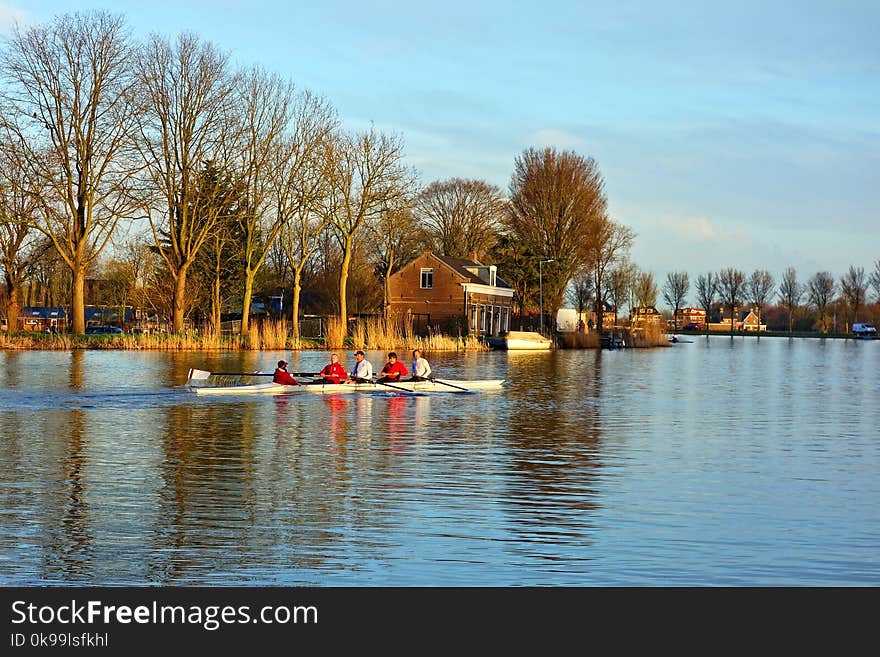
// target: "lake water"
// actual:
[[717, 462]]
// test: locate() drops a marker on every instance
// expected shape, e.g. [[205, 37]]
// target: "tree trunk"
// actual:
[[177, 304], [78, 306], [13, 303], [343, 284], [297, 288], [386, 301], [790, 316], [215, 304], [246, 301]]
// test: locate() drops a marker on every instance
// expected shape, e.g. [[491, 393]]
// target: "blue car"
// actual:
[[102, 329]]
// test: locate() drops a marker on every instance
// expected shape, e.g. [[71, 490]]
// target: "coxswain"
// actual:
[[282, 376]]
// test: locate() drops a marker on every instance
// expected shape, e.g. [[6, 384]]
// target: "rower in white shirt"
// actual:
[[420, 370], [362, 372]]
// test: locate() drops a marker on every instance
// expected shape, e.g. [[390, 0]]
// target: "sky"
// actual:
[[729, 134]]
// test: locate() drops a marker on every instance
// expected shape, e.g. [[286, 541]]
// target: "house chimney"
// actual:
[[473, 256]]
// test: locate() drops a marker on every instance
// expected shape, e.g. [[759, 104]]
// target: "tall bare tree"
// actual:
[[821, 290], [619, 285], [790, 293], [675, 291], [580, 292], [396, 239], [645, 291], [461, 217], [557, 208], [875, 281], [758, 289], [853, 289], [264, 108], [69, 114], [609, 247], [186, 91], [19, 248], [707, 288], [731, 285], [367, 176]]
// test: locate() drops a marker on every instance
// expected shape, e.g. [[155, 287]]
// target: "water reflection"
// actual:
[[590, 467]]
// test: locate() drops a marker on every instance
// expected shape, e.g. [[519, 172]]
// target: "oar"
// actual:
[[433, 380], [409, 392], [310, 374]]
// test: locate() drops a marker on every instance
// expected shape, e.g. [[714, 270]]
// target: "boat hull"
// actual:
[[438, 385]]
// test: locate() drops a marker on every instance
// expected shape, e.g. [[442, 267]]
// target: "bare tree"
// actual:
[[461, 217], [875, 281], [759, 287], [557, 206], [821, 291], [707, 288], [619, 284], [366, 175], [396, 239], [675, 291], [853, 289], [790, 293], [19, 248], [609, 247], [645, 291], [186, 91], [264, 108], [581, 292], [69, 114], [731, 285]]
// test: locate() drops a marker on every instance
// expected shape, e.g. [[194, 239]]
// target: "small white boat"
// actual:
[[521, 341]]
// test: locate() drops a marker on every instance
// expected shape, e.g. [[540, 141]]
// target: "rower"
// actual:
[[393, 370], [421, 370], [282, 376], [362, 372], [334, 372]]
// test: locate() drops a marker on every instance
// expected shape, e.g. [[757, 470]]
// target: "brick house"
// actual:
[[685, 316], [452, 295], [646, 318]]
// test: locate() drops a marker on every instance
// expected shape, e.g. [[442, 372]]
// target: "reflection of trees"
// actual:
[[261, 486], [554, 445], [69, 544]]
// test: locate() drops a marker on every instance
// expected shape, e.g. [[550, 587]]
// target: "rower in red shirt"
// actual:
[[334, 372], [283, 376], [393, 370]]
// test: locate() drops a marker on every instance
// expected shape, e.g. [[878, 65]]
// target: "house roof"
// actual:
[[461, 265]]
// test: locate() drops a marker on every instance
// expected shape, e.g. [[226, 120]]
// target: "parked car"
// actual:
[[105, 329], [692, 326]]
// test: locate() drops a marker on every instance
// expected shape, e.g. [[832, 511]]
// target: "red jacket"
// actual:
[[394, 372], [283, 377], [334, 372]]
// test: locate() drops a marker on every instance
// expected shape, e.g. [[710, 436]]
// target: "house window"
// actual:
[[474, 318], [482, 319], [427, 281]]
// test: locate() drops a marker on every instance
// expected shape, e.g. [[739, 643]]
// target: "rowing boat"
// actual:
[[319, 387]]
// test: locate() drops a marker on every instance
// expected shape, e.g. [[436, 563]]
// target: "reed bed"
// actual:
[[650, 336]]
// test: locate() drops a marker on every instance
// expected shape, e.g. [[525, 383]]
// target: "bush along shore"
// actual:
[[270, 336]]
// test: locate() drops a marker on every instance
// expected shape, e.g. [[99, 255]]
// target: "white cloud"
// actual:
[[701, 229], [10, 15]]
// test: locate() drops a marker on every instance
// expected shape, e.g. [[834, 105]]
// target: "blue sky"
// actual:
[[739, 134]]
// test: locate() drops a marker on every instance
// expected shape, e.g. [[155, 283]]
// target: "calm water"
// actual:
[[719, 462]]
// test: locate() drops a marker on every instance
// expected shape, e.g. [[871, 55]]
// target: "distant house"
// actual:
[[40, 318], [647, 317], [685, 316], [452, 294], [745, 320]]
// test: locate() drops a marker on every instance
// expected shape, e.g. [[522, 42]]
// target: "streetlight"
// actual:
[[541, 289]]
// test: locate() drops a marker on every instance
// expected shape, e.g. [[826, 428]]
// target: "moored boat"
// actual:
[[520, 341]]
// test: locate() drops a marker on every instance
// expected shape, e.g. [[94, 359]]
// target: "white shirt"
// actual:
[[421, 368], [362, 370]]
